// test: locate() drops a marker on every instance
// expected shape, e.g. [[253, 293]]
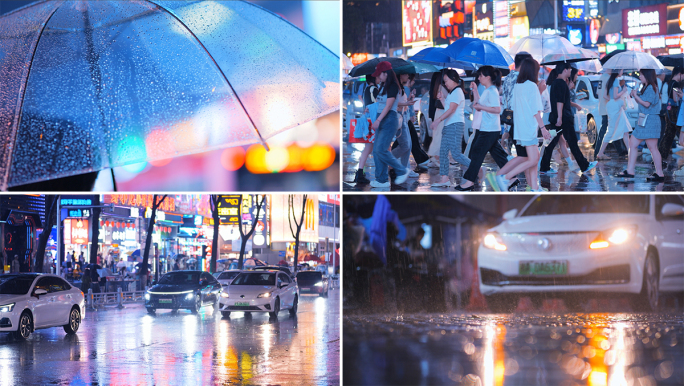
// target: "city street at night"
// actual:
[[128, 346], [514, 349]]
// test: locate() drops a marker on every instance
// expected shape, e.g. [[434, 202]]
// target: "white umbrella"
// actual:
[[633, 61], [347, 64], [539, 46], [594, 65]]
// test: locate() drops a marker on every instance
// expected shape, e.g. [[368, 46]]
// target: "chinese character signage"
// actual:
[[141, 201], [416, 22], [451, 20], [76, 231], [229, 209], [644, 21], [501, 21]]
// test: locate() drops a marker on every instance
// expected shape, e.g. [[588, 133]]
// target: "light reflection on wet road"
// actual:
[[485, 349], [130, 347]]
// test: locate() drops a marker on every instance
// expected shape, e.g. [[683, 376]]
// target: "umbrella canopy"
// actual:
[[368, 67], [633, 61], [555, 59], [593, 66], [676, 60], [346, 63], [89, 85], [479, 53], [608, 56], [541, 45], [435, 56], [416, 68]]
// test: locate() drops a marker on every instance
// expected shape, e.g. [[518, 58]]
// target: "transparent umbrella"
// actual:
[[541, 45], [89, 85], [629, 61]]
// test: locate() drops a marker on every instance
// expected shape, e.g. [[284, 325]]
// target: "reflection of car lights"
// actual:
[[147, 296], [493, 241], [358, 104], [189, 296], [264, 295], [319, 284], [617, 236], [225, 295], [7, 307]]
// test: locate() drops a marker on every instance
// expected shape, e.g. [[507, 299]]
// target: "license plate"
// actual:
[[241, 304], [553, 267], [165, 301]]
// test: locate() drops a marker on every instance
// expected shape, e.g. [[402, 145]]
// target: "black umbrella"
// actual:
[[368, 67], [608, 56], [676, 60]]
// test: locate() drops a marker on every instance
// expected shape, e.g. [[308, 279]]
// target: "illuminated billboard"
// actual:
[[281, 217], [416, 22]]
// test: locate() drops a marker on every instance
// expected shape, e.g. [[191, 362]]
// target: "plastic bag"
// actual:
[[581, 121]]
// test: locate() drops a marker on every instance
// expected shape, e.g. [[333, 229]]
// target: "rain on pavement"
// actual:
[[514, 349], [126, 347]]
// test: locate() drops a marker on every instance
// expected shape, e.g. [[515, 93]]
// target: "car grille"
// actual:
[[5, 322], [555, 242], [617, 274], [246, 308]]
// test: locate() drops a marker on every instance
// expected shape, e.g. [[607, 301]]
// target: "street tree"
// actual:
[[95, 232], [292, 217], [214, 200], [245, 236], [50, 220], [156, 203]]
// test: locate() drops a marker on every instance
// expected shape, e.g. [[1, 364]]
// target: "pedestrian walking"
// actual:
[[507, 92], [386, 126], [487, 136], [85, 281], [401, 149], [603, 111], [674, 95], [648, 126], [369, 97], [527, 107], [561, 118], [435, 110], [16, 267], [419, 155], [618, 124], [454, 124]]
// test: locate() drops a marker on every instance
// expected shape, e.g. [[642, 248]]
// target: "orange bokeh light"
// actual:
[[233, 158], [318, 157], [256, 159]]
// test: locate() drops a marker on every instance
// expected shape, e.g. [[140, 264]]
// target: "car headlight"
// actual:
[[494, 241], [147, 296], [225, 295], [7, 307], [264, 295], [190, 296], [615, 236], [319, 284], [358, 104]]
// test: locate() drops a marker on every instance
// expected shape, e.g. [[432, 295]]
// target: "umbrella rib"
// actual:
[[22, 95], [263, 142]]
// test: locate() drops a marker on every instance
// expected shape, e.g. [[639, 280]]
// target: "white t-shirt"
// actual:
[[490, 122], [456, 96], [526, 103], [603, 82]]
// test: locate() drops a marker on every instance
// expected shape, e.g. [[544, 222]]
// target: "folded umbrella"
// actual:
[[90, 85], [479, 53]]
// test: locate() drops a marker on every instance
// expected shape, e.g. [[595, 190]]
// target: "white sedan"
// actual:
[[226, 277], [260, 291], [574, 245], [31, 301]]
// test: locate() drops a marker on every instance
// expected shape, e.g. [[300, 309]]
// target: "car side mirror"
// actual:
[[510, 214], [672, 210], [283, 285], [582, 95], [39, 292]]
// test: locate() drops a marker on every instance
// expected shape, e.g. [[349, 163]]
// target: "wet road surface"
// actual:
[[514, 349], [599, 180], [130, 347]]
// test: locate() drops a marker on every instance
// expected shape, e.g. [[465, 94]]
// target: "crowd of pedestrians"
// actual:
[[536, 116]]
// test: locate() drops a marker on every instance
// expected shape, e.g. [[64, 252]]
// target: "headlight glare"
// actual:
[[616, 236], [358, 104], [7, 307], [190, 296], [264, 295], [493, 241], [225, 295], [147, 296], [319, 284]]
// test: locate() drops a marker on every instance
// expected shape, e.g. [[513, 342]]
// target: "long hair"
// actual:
[[391, 79], [650, 76], [553, 75], [529, 70], [609, 84], [493, 74], [453, 75]]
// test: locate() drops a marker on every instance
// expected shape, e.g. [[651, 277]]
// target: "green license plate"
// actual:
[[165, 301], [553, 267], [241, 304]]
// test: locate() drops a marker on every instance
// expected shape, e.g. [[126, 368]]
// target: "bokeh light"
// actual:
[[233, 158]]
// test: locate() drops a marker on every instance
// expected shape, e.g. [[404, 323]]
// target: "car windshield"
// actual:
[[544, 205], [228, 275], [309, 276], [15, 285], [594, 87], [180, 278], [265, 278]]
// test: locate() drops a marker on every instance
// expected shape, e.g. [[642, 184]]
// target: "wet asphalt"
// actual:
[[514, 349], [130, 347], [599, 180]]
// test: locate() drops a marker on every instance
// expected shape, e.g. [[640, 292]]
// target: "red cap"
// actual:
[[381, 67]]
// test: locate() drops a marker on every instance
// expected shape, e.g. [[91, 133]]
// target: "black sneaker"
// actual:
[[655, 178], [361, 178]]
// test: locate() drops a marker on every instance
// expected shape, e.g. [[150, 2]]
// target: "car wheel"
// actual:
[[151, 310], [25, 326], [74, 321], [276, 308], [591, 131], [293, 310], [502, 303], [198, 304], [648, 299], [225, 314]]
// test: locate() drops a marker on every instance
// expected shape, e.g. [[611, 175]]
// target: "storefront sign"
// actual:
[[612, 47], [359, 58], [675, 19], [653, 42], [416, 22], [575, 34], [229, 210], [592, 6], [141, 201], [633, 45], [613, 38], [124, 234], [501, 19], [281, 218], [75, 231], [451, 20], [483, 15], [78, 213], [520, 27], [260, 237], [573, 10], [644, 21], [594, 27]]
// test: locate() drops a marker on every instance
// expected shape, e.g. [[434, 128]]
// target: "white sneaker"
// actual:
[[402, 178], [432, 164], [377, 184], [441, 184], [425, 164], [413, 174]]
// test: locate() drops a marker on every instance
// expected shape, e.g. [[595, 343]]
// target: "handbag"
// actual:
[[641, 121], [507, 117], [361, 127], [368, 138]]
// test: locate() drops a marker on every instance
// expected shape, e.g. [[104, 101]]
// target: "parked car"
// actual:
[[226, 277], [313, 282], [260, 291], [183, 289], [578, 246], [32, 301]]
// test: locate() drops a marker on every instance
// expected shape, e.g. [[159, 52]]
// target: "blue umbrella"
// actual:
[[479, 53], [90, 85], [438, 57]]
